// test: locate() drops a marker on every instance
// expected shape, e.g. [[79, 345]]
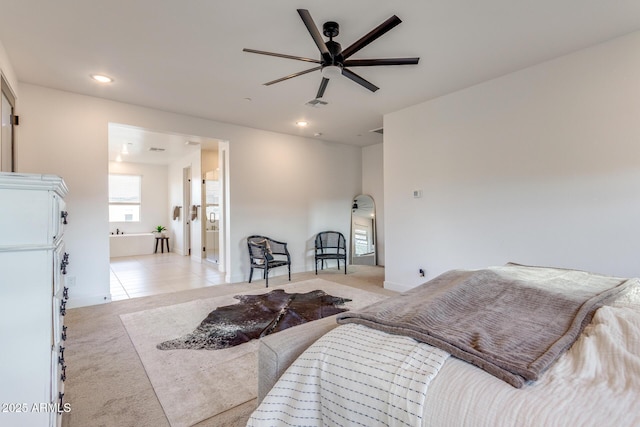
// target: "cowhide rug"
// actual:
[[256, 316]]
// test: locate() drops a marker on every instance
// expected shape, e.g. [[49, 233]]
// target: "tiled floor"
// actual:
[[145, 275]]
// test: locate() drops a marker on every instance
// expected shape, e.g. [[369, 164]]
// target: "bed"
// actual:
[[361, 374]]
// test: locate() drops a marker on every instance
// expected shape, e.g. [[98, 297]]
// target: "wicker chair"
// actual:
[[331, 245], [266, 254]]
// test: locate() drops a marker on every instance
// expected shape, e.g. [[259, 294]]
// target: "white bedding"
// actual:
[[353, 376], [595, 383]]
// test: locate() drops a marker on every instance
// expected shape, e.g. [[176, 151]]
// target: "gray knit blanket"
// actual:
[[512, 321]]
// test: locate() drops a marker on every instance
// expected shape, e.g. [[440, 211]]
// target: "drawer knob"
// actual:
[[64, 333], [64, 263], [64, 215], [65, 293], [63, 308], [63, 375]]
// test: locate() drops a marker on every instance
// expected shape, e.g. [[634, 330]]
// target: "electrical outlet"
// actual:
[[70, 281]]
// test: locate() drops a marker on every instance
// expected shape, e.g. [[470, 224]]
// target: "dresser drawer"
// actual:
[[58, 377]]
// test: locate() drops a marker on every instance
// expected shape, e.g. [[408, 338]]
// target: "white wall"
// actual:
[[154, 209], [541, 166], [284, 186], [373, 185], [209, 162], [289, 189]]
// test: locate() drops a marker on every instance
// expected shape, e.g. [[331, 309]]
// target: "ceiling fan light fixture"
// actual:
[[331, 71]]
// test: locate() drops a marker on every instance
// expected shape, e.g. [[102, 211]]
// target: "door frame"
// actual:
[[8, 146], [224, 260], [186, 203]]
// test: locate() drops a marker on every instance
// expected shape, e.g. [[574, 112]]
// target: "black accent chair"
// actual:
[[331, 245], [266, 254]]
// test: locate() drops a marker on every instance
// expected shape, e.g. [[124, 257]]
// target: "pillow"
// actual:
[[268, 255]]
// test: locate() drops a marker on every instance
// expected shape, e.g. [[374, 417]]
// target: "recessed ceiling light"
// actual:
[[302, 123], [101, 78]]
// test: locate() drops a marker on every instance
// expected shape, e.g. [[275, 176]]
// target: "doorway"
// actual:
[[211, 191], [214, 194], [170, 165]]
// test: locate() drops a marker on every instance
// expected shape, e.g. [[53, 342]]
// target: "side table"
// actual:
[[162, 241]]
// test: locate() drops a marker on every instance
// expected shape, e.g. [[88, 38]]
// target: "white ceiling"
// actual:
[[136, 145], [186, 57]]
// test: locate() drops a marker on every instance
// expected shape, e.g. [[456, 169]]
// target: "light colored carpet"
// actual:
[[107, 385], [194, 385]]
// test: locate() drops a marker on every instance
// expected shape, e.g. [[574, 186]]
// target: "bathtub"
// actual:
[[131, 244]]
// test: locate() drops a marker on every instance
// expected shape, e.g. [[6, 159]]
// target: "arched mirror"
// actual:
[[363, 231]]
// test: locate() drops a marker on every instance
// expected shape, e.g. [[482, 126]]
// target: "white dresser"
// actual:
[[33, 263]]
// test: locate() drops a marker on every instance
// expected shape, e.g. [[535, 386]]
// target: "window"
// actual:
[[124, 198], [361, 239]]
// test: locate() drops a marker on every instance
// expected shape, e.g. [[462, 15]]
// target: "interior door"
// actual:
[[186, 193]]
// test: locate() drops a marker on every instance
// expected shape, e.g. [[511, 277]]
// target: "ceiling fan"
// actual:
[[333, 60]]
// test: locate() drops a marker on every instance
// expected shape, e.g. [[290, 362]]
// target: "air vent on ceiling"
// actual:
[[156, 149], [378, 130], [316, 103], [191, 143]]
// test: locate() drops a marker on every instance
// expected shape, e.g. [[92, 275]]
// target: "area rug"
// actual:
[[256, 316], [194, 385]]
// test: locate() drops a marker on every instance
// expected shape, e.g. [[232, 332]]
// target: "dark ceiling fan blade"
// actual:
[[315, 33], [356, 78], [281, 55], [371, 36], [323, 86], [290, 76], [380, 61]]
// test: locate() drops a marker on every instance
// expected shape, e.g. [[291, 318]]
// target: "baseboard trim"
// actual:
[[398, 287], [75, 302], [257, 274]]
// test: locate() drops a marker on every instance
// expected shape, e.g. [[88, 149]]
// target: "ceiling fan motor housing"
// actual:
[[336, 54], [330, 29]]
